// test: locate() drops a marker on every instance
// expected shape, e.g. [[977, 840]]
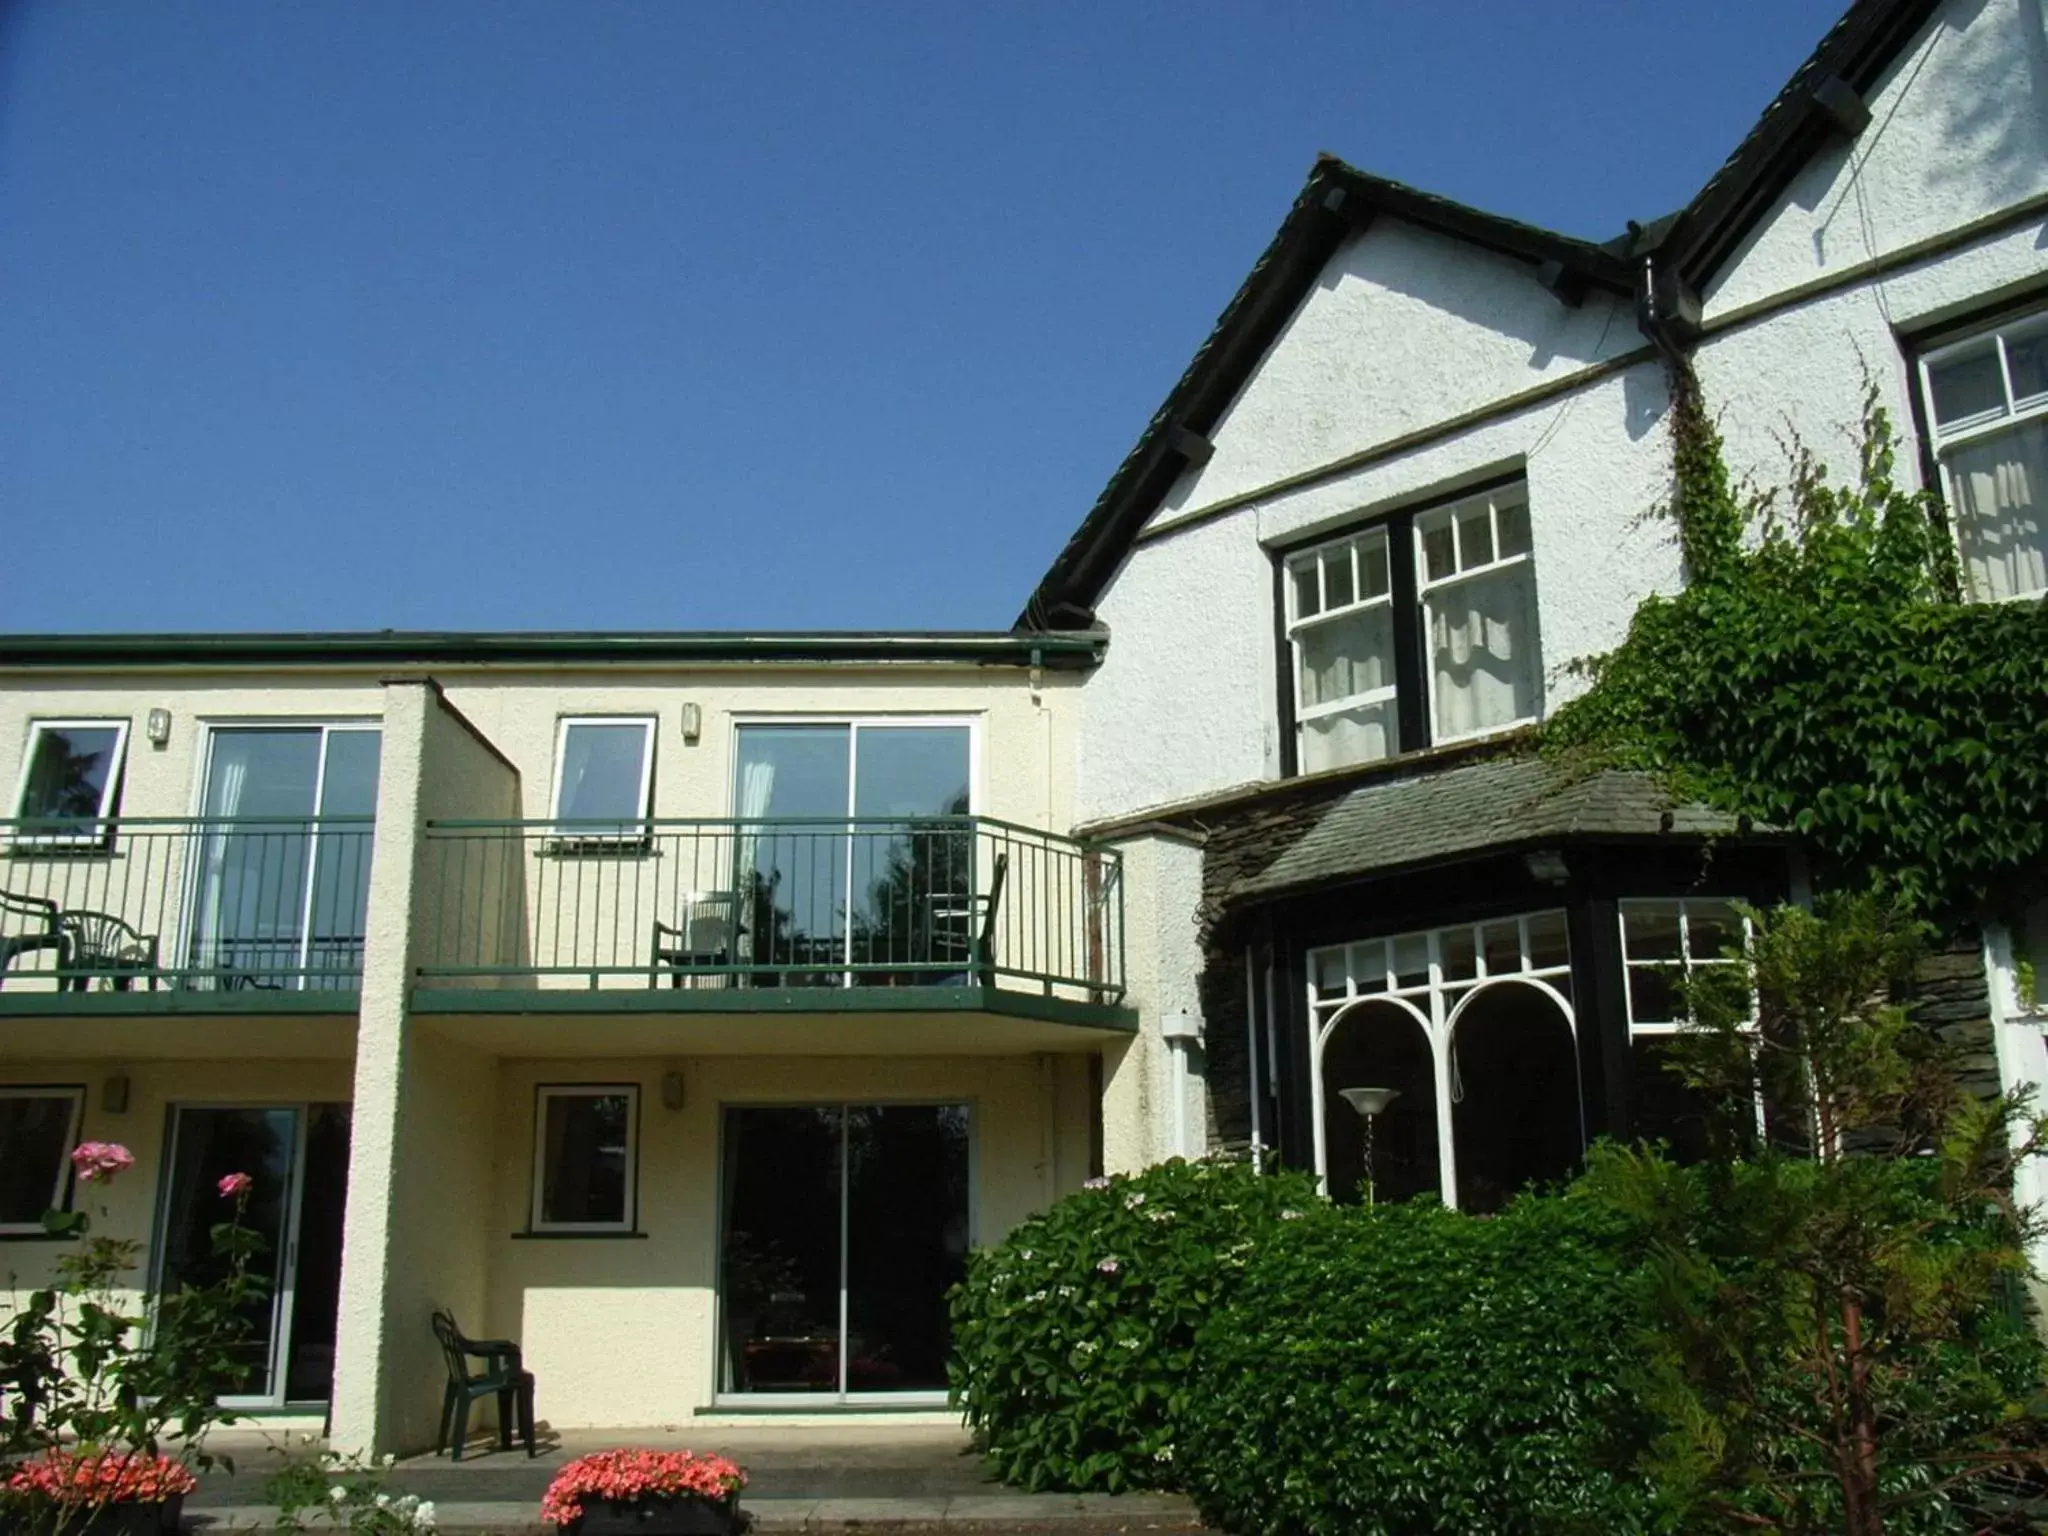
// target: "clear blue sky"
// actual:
[[649, 314]]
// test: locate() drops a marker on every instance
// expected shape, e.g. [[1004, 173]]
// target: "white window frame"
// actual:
[[102, 831], [542, 1094], [649, 725], [2011, 413], [1436, 1004], [62, 1185], [1515, 494], [1686, 962], [1297, 625]]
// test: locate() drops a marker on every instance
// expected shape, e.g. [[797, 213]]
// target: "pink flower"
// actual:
[[93, 1478], [101, 1160], [626, 1476], [235, 1185]]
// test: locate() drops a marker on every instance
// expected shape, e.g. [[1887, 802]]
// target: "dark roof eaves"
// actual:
[[1858, 49], [1056, 649]]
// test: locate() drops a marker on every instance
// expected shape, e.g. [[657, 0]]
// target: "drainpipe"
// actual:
[[1182, 1031]]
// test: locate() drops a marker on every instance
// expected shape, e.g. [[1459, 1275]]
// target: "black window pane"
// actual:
[[1653, 994], [1665, 1108], [2026, 358], [35, 1138], [1967, 386], [69, 773], [780, 1264], [585, 1162]]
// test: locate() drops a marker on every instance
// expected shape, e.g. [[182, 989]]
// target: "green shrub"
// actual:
[[1073, 1340], [1411, 1369]]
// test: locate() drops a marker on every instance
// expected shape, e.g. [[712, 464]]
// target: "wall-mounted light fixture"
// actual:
[[1547, 865], [671, 1090], [114, 1094], [693, 723], [157, 727]]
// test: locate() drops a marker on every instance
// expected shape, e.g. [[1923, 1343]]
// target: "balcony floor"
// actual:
[[854, 1021]]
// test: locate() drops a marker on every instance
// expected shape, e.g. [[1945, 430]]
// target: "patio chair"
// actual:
[[952, 914], [502, 1377], [40, 930], [100, 944], [697, 947]]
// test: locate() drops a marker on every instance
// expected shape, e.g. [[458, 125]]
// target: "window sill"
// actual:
[[38, 1237], [563, 1237]]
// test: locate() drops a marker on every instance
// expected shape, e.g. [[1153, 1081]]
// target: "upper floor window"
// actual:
[[1416, 631], [1987, 407], [603, 770], [70, 777]]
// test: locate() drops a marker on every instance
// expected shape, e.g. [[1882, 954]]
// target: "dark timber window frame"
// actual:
[[1412, 689]]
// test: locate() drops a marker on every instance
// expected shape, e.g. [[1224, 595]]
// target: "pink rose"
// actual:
[[101, 1160], [235, 1185]]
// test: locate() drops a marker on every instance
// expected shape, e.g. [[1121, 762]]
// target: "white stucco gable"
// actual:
[[1403, 330], [1958, 132]]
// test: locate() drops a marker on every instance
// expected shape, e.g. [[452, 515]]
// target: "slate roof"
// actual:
[[1486, 806]]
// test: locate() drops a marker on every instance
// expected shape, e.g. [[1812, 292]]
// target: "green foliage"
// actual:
[[1824, 1345], [1408, 1368], [1812, 676], [344, 1493], [1074, 1339], [86, 1365]]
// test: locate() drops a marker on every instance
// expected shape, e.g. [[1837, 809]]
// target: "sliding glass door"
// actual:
[[844, 1228], [282, 886], [850, 879], [297, 1157]]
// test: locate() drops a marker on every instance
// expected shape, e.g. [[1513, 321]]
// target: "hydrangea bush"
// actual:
[[1074, 1338]]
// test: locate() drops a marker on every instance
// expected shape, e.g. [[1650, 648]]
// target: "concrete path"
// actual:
[[904, 1478]]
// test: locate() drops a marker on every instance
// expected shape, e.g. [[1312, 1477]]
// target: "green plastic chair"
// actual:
[[502, 1377]]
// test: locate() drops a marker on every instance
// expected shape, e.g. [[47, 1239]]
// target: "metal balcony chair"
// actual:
[[503, 1377], [698, 947], [40, 929], [100, 944]]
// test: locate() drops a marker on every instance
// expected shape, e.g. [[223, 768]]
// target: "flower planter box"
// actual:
[[129, 1519], [685, 1516]]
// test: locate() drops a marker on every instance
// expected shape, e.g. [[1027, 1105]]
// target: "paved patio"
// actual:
[[912, 1477]]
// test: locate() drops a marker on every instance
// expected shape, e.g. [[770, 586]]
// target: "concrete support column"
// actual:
[[360, 1414], [2022, 1047], [1163, 956]]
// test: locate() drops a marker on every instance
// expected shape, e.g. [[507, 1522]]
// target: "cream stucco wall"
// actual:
[[620, 1331]]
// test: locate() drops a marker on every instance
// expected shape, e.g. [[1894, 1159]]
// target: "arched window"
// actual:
[[1472, 1025]]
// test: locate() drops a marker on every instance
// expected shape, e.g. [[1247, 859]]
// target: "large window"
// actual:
[[583, 1158], [38, 1129], [1986, 400], [1661, 943], [1415, 631], [70, 779]]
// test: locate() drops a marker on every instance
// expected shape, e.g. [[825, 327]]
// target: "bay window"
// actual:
[[1413, 631], [1986, 402]]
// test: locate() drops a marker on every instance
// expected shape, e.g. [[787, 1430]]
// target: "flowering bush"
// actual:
[[621, 1477], [86, 1402], [1074, 1339], [346, 1493], [101, 1477]]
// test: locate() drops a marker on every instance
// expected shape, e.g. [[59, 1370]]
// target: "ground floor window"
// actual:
[[297, 1156], [1446, 1061], [844, 1226], [38, 1128], [583, 1173]]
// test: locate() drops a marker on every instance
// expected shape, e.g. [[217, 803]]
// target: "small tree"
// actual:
[[1804, 1285]]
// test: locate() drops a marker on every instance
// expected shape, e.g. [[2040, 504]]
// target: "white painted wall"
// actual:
[[1958, 131]]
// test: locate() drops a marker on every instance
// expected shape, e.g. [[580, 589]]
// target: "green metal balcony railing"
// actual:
[[780, 903], [195, 903]]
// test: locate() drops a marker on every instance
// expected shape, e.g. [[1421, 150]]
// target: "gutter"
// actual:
[[1066, 650]]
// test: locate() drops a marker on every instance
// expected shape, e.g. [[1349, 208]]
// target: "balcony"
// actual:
[[807, 915], [183, 914]]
